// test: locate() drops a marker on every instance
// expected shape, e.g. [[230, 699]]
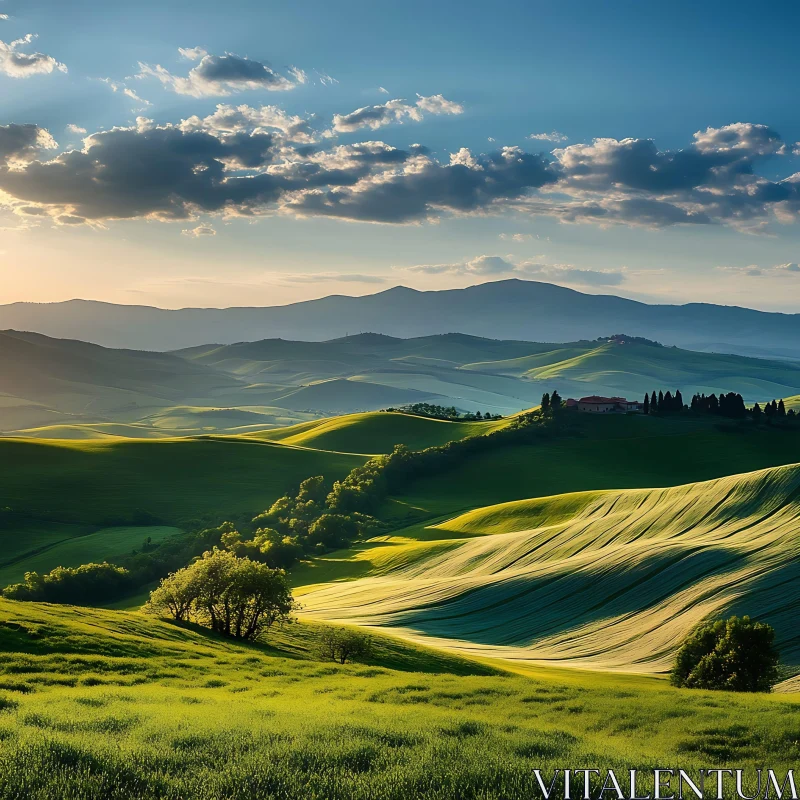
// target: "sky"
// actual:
[[195, 153]]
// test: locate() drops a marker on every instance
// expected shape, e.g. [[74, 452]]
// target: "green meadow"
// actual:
[[111, 705], [525, 604]]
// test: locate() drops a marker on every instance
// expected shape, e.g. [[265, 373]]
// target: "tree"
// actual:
[[555, 401], [756, 412], [678, 400], [546, 403], [341, 644], [88, 584], [736, 655], [781, 408], [233, 596], [653, 404], [646, 404]]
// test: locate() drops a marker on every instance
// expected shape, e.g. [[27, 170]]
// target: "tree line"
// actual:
[[730, 404], [449, 413]]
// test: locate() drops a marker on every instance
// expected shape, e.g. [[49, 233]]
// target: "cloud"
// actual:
[[20, 144], [16, 64], [117, 86], [382, 90], [497, 265], [553, 136], [567, 273], [517, 237], [3, 16], [249, 161], [374, 117], [72, 128], [219, 76], [333, 277], [755, 271], [199, 231], [482, 265], [235, 119]]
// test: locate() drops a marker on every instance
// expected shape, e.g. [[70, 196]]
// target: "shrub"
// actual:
[[88, 584], [233, 596], [736, 655], [343, 644]]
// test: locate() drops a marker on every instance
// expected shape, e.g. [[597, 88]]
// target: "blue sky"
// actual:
[[290, 203]]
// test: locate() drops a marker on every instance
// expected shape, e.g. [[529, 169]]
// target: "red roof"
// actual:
[[598, 400]]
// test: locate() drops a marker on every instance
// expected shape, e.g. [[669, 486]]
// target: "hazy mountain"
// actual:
[[47, 382], [511, 309]]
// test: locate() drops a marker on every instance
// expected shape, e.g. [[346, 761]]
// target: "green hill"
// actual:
[[59, 490], [376, 432], [601, 453], [611, 581], [627, 367]]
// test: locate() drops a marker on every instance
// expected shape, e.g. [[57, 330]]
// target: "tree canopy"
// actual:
[[736, 654]]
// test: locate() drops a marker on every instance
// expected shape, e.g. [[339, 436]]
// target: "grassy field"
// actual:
[[101, 705], [608, 580], [377, 432], [107, 544], [96, 490], [604, 453]]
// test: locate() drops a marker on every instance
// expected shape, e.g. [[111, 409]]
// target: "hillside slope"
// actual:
[[612, 581]]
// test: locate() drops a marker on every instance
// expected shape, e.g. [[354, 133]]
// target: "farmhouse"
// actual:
[[595, 404]]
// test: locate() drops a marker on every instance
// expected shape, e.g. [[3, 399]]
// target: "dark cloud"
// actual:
[[217, 76], [249, 161], [23, 142]]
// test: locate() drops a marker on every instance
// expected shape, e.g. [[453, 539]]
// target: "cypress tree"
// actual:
[[781, 408], [545, 403], [654, 404], [678, 400], [646, 404]]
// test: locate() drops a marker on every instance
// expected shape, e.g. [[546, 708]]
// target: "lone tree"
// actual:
[[545, 403], [233, 596], [343, 644], [737, 655]]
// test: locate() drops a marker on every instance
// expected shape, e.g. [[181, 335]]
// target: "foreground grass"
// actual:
[[111, 705]]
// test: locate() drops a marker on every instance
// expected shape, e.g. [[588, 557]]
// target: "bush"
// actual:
[[343, 644], [88, 584], [736, 655], [233, 596]]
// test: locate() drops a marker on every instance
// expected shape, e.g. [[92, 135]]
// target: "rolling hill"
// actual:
[[53, 388], [608, 580], [508, 309]]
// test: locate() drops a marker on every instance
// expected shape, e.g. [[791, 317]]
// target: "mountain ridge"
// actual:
[[509, 309]]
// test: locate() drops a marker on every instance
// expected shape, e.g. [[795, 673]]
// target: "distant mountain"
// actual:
[[511, 309]]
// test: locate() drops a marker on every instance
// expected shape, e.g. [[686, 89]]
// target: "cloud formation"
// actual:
[[249, 161], [497, 265], [236, 119], [219, 76], [397, 111], [17, 64], [199, 231], [553, 136], [755, 271], [20, 144]]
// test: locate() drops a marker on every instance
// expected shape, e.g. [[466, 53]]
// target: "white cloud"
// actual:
[[200, 230], [498, 265], [17, 64], [219, 76], [382, 90], [553, 136], [374, 117], [517, 237], [755, 271], [118, 86], [71, 128], [235, 119]]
